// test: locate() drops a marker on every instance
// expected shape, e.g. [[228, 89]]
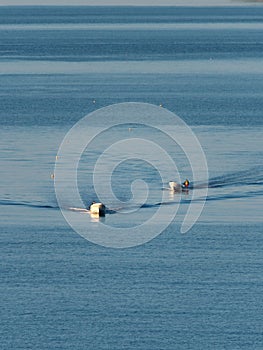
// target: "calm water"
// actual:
[[200, 290]]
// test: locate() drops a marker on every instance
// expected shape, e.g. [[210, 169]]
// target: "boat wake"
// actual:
[[235, 185], [249, 177], [28, 204]]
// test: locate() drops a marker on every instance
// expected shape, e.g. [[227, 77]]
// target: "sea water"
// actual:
[[200, 290]]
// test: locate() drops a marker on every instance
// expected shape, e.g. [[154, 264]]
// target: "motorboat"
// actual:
[[177, 187], [98, 209]]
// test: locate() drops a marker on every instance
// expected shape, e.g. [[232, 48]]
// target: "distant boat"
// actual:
[[98, 209], [176, 187]]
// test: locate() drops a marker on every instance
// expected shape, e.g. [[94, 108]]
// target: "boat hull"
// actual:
[[98, 209], [176, 187]]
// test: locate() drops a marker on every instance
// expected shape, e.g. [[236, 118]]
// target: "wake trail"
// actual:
[[251, 178], [28, 204]]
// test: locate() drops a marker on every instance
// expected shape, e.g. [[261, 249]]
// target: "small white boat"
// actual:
[[176, 187], [97, 209]]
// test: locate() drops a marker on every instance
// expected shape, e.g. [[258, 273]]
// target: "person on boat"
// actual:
[[186, 184]]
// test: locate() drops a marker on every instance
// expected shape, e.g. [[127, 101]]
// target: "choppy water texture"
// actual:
[[201, 290]]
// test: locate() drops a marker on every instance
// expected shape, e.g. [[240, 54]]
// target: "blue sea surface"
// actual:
[[199, 290]]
